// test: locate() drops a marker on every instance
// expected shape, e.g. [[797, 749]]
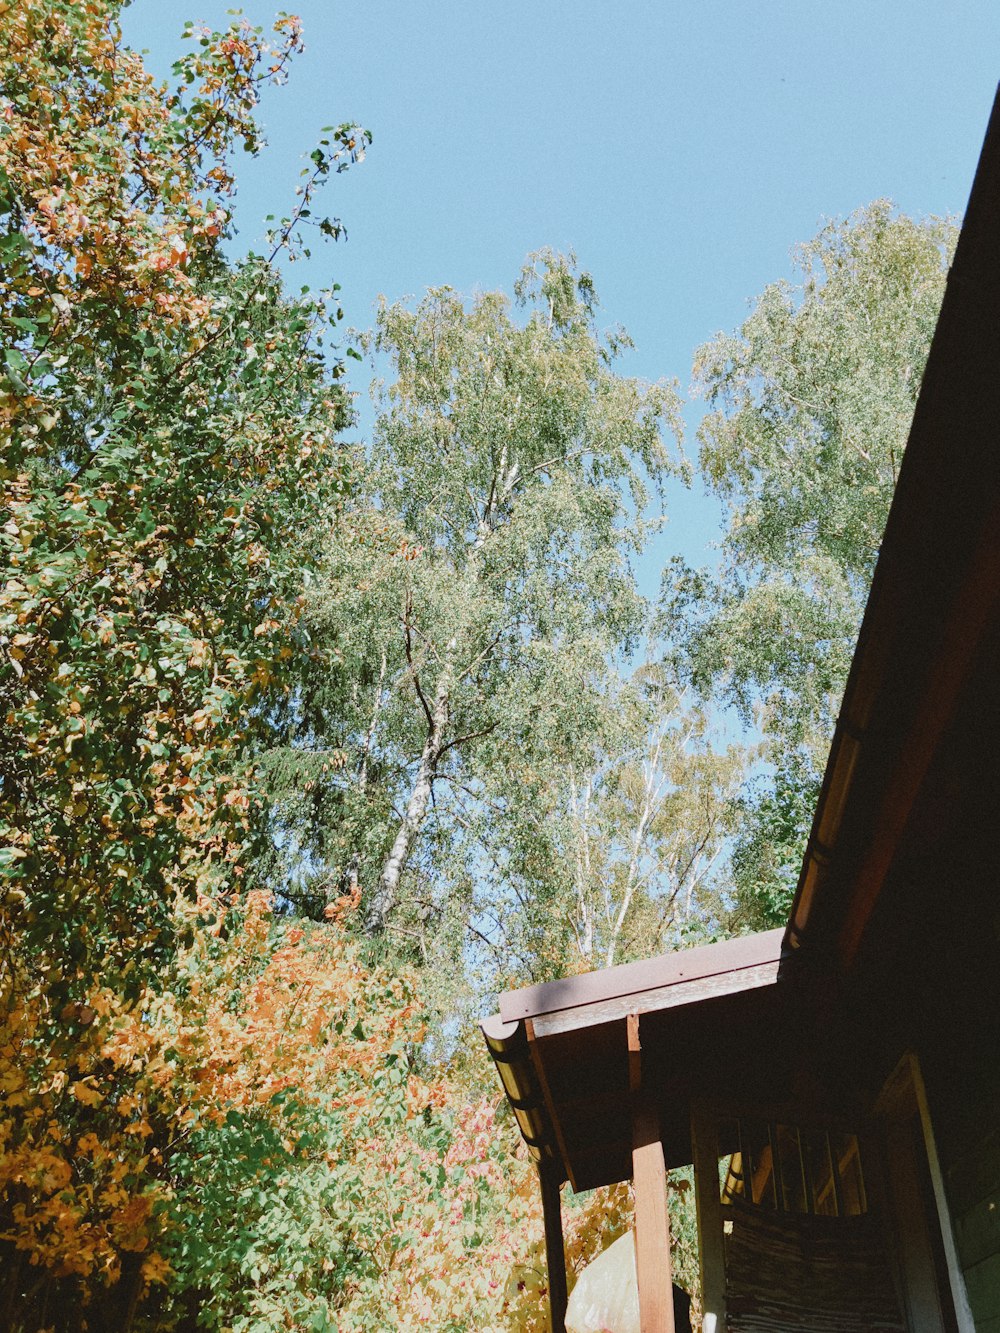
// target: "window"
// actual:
[[775, 1165]]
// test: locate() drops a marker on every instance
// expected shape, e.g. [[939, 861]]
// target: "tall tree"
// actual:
[[648, 825], [509, 472], [809, 405], [169, 433], [611, 849], [168, 420]]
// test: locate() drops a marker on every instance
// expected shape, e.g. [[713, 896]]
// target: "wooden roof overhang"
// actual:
[[705, 1016]]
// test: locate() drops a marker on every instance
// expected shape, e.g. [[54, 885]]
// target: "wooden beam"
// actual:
[[634, 1054], [636, 979], [550, 1105], [649, 1181], [658, 1001], [555, 1253]]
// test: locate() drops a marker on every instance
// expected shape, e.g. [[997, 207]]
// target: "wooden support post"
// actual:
[[649, 1180], [555, 1253], [711, 1238]]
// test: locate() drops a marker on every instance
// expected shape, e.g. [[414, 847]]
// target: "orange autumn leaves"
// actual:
[[292, 1007], [120, 181], [145, 1155], [89, 1125], [75, 1202]]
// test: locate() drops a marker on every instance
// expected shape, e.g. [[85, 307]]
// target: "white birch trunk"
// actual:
[[580, 809], [354, 865], [387, 893]]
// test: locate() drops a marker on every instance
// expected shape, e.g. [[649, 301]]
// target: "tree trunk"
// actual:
[[354, 864], [386, 895], [580, 806]]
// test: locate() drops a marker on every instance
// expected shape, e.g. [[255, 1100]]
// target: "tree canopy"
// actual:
[[809, 406], [509, 477]]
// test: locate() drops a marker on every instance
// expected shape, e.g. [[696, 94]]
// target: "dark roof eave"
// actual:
[[941, 535]]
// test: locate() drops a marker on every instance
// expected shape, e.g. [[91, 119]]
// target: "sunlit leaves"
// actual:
[[507, 483], [173, 419], [809, 406]]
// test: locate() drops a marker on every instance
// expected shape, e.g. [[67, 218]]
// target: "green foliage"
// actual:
[[147, 602], [612, 848], [508, 480], [169, 442], [809, 405], [169, 428], [768, 850]]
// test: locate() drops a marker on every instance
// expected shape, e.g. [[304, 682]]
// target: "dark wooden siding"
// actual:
[[971, 1169]]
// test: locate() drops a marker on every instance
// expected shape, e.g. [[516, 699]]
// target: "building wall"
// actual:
[[962, 1074], [786, 1273]]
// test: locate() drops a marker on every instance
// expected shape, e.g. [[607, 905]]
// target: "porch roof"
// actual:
[[562, 1049]]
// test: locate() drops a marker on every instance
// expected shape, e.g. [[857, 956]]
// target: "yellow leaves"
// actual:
[[155, 1270], [198, 655], [129, 1224], [262, 675], [44, 1168], [55, 1083], [14, 1090], [127, 1104], [83, 1092]]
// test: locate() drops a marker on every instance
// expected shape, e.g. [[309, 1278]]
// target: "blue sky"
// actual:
[[680, 148]]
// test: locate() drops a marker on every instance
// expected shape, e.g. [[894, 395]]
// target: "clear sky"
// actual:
[[680, 147]]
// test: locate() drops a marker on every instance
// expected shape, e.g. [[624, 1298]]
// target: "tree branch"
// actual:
[[409, 658], [470, 736]]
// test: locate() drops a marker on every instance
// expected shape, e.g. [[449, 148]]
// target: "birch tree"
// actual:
[[509, 478], [628, 840], [649, 835], [810, 403]]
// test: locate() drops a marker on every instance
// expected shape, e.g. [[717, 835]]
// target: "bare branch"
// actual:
[[409, 658], [469, 736]]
